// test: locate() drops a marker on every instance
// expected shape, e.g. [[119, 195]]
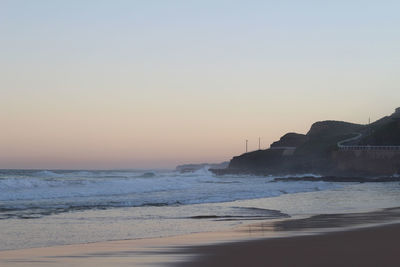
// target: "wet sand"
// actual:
[[139, 252], [320, 240], [375, 246], [353, 239]]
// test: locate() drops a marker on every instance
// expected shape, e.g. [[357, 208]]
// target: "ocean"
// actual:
[[56, 207]]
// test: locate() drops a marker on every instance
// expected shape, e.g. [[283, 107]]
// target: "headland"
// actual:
[[330, 148]]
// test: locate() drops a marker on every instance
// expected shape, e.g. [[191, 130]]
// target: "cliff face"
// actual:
[[257, 160], [318, 152], [312, 151]]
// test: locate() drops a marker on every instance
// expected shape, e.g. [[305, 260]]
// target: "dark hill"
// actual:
[[290, 140], [384, 135], [323, 137], [333, 128], [318, 150], [312, 153]]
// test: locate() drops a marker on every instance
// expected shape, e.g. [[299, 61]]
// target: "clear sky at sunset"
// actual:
[[140, 84]]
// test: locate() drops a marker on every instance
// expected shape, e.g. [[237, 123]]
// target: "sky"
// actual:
[[152, 84]]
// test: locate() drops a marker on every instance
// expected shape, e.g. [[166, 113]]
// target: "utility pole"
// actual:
[[246, 144], [369, 120], [259, 143]]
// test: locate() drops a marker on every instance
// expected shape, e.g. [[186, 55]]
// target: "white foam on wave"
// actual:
[[124, 188], [48, 184], [36, 188]]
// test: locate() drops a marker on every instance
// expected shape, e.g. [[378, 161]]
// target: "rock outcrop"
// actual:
[[291, 140], [318, 151]]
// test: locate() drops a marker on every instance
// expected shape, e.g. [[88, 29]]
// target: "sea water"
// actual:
[[46, 208]]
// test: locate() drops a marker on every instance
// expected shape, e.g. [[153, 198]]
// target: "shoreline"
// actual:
[[195, 249]]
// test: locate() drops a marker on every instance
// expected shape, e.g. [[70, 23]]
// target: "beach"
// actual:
[[375, 246], [353, 239]]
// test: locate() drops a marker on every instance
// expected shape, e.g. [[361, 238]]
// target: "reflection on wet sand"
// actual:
[[185, 248]]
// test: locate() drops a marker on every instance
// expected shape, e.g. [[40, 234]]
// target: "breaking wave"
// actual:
[[36, 193]]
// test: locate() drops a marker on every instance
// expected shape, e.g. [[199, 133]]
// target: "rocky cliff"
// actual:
[[318, 151]]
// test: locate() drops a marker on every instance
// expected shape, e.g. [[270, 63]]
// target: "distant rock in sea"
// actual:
[[195, 167]]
